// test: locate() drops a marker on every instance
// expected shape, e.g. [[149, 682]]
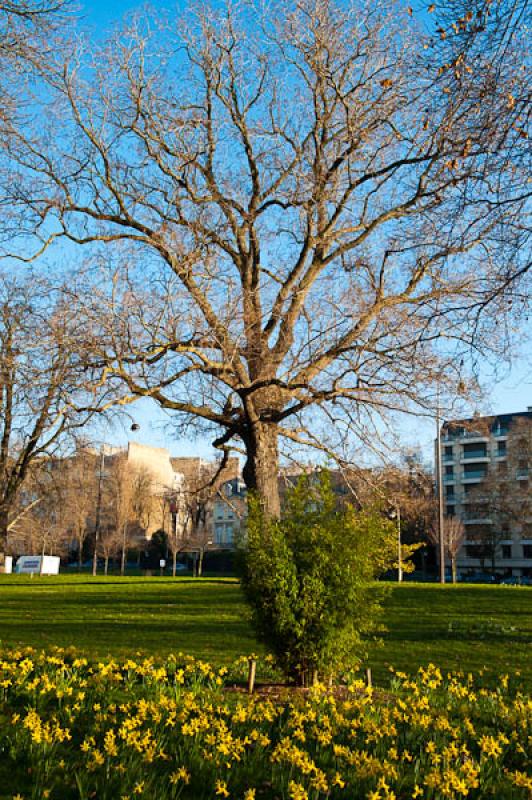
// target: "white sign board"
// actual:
[[162, 563], [32, 565]]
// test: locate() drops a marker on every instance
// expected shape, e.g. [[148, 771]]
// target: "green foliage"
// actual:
[[309, 578]]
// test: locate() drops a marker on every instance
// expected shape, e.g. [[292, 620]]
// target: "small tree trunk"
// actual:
[[174, 563], [80, 554], [124, 551], [106, 565], [200, 564], [42, 558], [261, 470], [453, 568]]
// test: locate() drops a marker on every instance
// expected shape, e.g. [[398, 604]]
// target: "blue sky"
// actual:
[[510, 390]]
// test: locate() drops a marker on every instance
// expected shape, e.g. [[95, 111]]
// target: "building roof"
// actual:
[[490, 421]]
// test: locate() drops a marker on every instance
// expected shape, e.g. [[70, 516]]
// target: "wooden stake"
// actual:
[[251, 675]]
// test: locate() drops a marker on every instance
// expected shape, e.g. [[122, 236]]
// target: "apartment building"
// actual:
[[486, 471]]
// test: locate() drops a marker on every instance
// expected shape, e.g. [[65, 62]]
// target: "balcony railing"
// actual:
[[522, 473], [474, 473], [471, 455]]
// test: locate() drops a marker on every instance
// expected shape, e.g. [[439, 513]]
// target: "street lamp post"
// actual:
[[396, 514], [399, 554], [97, 523], [440, 496]]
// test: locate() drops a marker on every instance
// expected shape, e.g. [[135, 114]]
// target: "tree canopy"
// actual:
[[310, 215]]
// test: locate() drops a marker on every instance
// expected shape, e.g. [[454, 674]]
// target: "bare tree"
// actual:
[[41, 376], [453, 539], [77, 481], [109, 545], [314, 214], [38, 522], [178, 525], [28, 36], [129, 491]]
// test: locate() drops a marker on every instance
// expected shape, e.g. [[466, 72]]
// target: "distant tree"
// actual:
[[109, 545], [40, 526], [41, 379], [76, 479], [191, 518], [404, 492], [129, 499], [309, 578], [453, 538]]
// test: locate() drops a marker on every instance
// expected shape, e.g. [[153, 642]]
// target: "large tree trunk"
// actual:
[[261, 470]]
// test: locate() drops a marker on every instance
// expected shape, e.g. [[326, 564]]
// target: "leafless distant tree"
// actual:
[[38, 523], [453, 538], [41, 375], [109, 545], [128, 500], [77, 480], [315, 207]]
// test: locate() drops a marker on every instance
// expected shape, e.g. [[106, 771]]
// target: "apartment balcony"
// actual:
[[449, 478], [471, 436], [522, 474], [500, 433], [473, 476], [447, 458], [481, 456], [476, 519]]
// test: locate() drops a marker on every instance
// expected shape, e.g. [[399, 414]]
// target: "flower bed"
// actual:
[[141, 729]]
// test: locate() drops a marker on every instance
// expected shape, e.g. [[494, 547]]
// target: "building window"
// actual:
[[475, 470], [449, 511], [527, 551], [501, 448], [449, 491], [506, 550], [475, 451], [500, 429], [475, 551], [449, 450], [449, 470]]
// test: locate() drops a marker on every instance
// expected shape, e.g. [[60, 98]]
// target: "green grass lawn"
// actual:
[[491, 625]]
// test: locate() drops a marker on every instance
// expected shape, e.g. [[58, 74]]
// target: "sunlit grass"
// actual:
[[458, 627]]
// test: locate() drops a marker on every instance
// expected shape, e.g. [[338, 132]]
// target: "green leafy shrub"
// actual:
[[309, 578]]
